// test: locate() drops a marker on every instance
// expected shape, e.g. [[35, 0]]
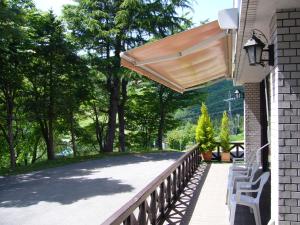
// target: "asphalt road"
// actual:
[[79, 194]]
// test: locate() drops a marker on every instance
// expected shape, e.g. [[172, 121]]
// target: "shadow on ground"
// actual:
[[183, 210], [70, 183]]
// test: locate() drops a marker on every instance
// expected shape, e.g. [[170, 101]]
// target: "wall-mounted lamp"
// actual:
[[238, 94], [255, 47]]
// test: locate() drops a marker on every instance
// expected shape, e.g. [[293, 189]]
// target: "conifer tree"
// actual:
[[224, 133], [204, 131]]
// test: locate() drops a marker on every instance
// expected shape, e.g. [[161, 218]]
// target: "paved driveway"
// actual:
[[83, 193]]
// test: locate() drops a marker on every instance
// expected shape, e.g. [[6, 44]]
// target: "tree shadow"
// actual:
[[70, 183]]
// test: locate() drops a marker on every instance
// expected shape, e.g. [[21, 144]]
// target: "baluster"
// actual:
[[183, 177], [219, 154], [191, 167], [198, 156], [142, 214], [179, 179], [188, 169], [237, 151], [162, 199], [168, 197], [130, 220], [174, 186], [127, 221], [194, 161], [153, 208]]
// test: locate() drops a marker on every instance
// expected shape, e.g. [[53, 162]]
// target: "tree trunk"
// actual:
[[50, 141], [161, 124], [112, 115], [99, 130], [10, 133], [73, 137], [121, 113], [35, 148], [50, 138]]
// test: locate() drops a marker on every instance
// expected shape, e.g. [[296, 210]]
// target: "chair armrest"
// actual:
[[238, 160], [240, 191], [239, 179], [241, 185]]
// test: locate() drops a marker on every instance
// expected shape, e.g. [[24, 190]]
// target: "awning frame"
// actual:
[[150, 66]]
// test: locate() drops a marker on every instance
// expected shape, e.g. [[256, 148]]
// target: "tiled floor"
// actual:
[[203, 202]]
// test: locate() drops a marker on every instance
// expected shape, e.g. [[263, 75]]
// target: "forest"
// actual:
[[63, 90]]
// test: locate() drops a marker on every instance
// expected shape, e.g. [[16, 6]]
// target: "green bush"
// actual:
[[205, 131], [224, 133], [182, 136]]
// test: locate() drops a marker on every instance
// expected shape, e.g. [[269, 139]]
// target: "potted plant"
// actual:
[[205, 134], [224, 138]]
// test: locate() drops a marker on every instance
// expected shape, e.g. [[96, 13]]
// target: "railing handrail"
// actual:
[[120, 215], [233, 142]]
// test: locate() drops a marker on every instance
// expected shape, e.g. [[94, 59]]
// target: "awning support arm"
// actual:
[[132, 60]]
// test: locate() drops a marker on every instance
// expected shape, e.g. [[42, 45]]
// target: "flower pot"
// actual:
[[207, 156], [225, 156]]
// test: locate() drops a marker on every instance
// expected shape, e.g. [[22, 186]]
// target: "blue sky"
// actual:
[[203, 9]]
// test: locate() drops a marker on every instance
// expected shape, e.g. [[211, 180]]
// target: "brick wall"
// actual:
[[252, 119], [285, 117]]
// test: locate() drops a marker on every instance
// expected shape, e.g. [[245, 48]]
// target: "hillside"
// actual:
[[216, 94]]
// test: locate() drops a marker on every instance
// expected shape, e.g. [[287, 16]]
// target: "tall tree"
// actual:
[[12, 59], [104, 29], [51, 52]]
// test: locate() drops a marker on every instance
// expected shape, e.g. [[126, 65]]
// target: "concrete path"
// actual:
[[83, 193], [211, 208]]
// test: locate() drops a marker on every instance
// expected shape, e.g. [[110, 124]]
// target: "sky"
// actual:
[[203, 9]]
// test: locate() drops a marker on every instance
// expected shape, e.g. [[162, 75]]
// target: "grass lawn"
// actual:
[[45, 164]]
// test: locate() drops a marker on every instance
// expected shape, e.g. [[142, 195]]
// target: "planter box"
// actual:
[[207, 156], [225, 156]]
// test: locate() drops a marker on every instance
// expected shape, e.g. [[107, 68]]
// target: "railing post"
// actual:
[[162, 199], [142, 214], [178, 178], [168, 197], [174, 186], [153, 208]]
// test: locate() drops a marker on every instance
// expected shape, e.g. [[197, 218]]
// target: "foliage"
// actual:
[[224, 133], [182, 136], [204, 131], [61, 84]]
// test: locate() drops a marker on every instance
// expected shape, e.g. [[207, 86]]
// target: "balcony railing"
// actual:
[[236, 150], [154, 202]]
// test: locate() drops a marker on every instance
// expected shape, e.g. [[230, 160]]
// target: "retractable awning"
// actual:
[[184, 60]]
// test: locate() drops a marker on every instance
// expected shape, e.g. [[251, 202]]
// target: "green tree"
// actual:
[[13, 43], [204, 131], [49, 69], [224, 133], [104, 29]]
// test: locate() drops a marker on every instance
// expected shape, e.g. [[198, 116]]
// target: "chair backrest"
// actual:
[[254, 169], [258, 153], [263, 180]]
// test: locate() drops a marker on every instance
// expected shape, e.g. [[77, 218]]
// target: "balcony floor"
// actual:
[[203, 201]]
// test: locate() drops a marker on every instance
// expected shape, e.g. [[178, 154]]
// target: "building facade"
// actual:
[[272, 98]]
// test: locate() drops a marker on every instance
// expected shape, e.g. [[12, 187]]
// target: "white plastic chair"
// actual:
[[238, 177], [240, 164], [251, 202]]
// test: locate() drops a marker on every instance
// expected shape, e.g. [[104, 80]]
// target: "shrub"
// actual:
[[205, 131], [224, 133]]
